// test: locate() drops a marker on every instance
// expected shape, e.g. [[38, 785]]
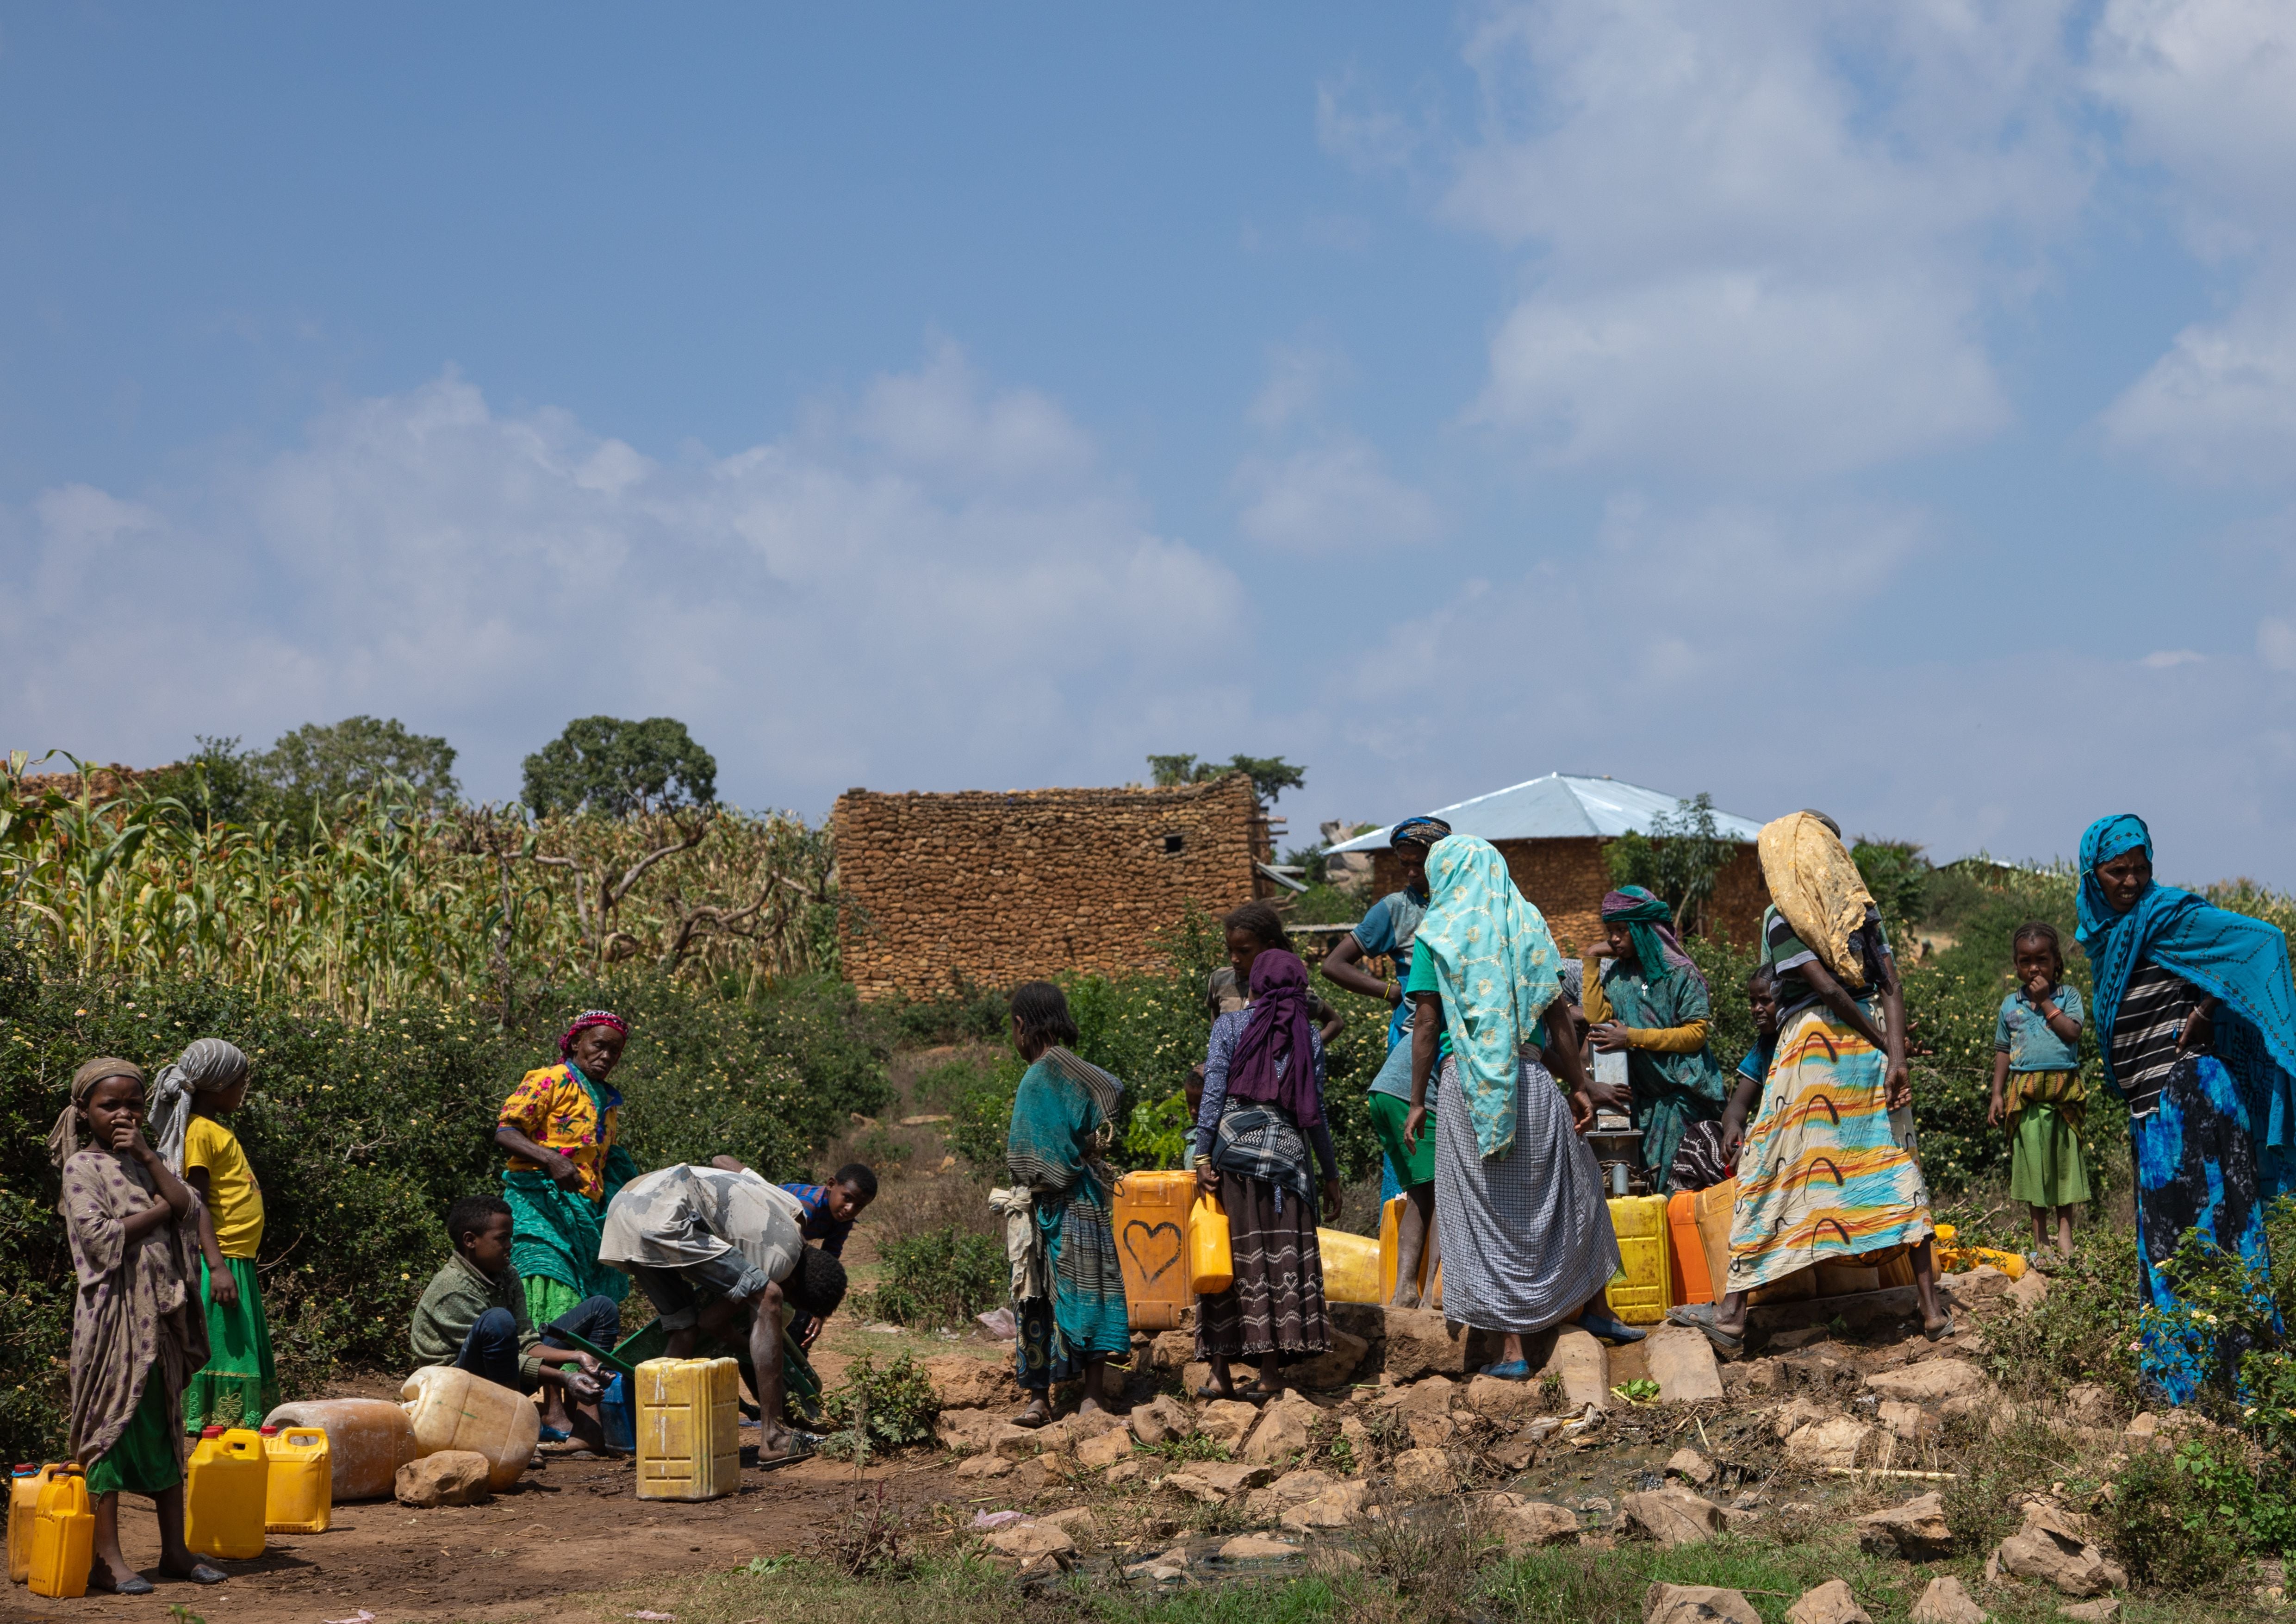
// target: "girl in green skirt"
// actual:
[[239, 1386], [2037, 1084]]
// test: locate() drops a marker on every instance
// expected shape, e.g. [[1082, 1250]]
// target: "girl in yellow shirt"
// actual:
[[239, 1385]]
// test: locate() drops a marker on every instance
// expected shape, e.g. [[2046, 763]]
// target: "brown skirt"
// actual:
[[1277, 1304]]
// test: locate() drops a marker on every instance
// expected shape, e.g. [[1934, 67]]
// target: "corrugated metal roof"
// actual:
[[1560, 805]]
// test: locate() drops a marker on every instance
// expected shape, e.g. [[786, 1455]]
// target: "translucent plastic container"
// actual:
[[222, 1494], [1211, 1255], [24, 1486], [1638, 1291], [1152, 1219], [453, 1409], [689, 1445], [1351, 1266], [299, 1479], [64, 1537], [368, 1440]]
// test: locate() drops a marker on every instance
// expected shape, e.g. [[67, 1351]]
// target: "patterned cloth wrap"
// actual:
[[1497, 971]]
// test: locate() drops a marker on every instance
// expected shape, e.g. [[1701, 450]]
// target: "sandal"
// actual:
[[99, 1579], [555, 1435], [1941, 1332], [1212, 1390], [1032, 1418], [1507, 1370], [1701, 1317], [200, 1574]]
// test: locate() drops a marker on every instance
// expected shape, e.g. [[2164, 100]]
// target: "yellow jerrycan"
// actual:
[[24, 1486], [222, 1494], [64, 1537], [688, 1445], [1211, 1260], [1639, 1290], [299, 1479]]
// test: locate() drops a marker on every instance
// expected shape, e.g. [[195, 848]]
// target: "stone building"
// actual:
[[1553, 832], [1004, 888]]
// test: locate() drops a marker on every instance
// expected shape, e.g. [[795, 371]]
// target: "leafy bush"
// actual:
[[941, 1277], [363, 1133], [873, 1409], [2081, 1331], [2183, 1522]]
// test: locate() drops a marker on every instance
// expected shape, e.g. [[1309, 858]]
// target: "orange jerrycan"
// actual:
[[1211, 1259], [24, 1486], [222, 1494], [297, 1481], [688, 1446], [1151, 1246], [64, 1536]]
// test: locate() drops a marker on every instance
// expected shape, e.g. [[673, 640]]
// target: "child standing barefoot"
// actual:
[[137, 1334], [208, 1082], [2037, 1084]]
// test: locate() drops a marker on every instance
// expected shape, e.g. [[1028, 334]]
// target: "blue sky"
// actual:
[[1886, 409]]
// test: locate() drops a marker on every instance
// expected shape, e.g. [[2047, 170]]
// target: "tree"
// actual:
[[217, 783], [1270, 776], [605, 765], [316, 766], [1897, 873], [1678, 861]]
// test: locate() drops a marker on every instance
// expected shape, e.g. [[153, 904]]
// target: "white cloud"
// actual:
[[2168, 660], [938, 584], [2202, 90], [1335, 498], [1762, 239]]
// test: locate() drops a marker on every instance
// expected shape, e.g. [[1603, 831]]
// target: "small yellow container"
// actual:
[[298, 1481], [64, 1537], [1351, 1269], [24, 1488], [688, 1445], [1211, 1256], [1151, 1246], [1638, 1292], [224, 1493]]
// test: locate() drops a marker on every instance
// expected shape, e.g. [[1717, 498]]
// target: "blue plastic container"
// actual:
[[615, 1416]]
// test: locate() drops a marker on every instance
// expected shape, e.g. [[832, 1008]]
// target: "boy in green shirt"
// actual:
[[473, 1317]]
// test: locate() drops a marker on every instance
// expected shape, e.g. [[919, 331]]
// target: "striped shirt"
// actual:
[[2154, 1009]]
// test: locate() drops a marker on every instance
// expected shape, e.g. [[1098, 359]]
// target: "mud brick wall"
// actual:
[[1566, 880], [1004, 888]]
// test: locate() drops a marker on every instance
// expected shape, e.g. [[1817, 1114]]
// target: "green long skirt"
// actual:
[[143, 1459], [239, 1385], [2044, 1159]]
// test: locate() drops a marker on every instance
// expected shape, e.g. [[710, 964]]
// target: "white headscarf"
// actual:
[[209, 1065]]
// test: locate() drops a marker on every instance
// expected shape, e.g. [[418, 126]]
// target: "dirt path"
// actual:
[[576, 1526]]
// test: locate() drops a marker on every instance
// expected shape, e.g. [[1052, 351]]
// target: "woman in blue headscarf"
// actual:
[[2196, 1023], [1652, 1003]]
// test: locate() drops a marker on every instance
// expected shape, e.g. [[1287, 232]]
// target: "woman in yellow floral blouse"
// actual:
[[558, 1126]]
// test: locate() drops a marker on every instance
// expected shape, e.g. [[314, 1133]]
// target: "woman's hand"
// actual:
[[1897, 1085], [1610, 1037], [1334, 1195], [1733, 1135], [2200, 1028], [563, 1170], [1207, 1178], [1582, 1112], [1414, 1123]]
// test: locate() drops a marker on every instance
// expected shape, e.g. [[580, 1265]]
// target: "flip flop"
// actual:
[[1609, 1330], [1024, 1419], [1942, 1331], [1701, 1317], [1507, 1370], [555, 1435], [1210, 1391], [135, 1585]]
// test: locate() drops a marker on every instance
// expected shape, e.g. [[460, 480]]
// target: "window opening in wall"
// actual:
[[1173, 843]]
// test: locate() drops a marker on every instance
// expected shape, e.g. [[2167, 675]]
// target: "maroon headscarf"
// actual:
[[1279, 1026], [590, 1017]]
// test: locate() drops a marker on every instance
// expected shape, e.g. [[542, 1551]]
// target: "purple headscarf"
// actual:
[[1278, 1026]]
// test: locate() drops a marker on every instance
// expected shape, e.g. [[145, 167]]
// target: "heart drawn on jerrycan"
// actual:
[[1162, 1239]]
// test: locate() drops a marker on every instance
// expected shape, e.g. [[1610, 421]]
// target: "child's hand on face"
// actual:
[[2037, 989]]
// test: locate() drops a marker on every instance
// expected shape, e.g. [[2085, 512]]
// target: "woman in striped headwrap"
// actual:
[[1651, 1002]]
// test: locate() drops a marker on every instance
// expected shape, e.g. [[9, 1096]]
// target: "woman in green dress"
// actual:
[[1652, 1003]]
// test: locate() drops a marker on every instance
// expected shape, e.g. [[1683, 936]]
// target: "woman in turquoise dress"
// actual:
[[1652, 1003]]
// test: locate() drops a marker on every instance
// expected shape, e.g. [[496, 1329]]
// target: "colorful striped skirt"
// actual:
[[1825, 1175]]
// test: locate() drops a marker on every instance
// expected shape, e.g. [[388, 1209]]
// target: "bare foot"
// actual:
[[1405, 1297]]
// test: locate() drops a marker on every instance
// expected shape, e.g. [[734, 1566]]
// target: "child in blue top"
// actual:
[[828, 1213], [2037, 1084]]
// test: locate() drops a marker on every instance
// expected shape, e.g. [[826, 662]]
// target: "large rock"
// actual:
[[1584, 1368], [969, 1432], [2102, 1611], [1420, 1343], [451, 1477], [1833, 1442], [1334, 1368], [1164, 1570], [2029, 1290], [2089, 1405], [2054, 1549], [1104, 1450], [1337, 1507], [1674, 1516], [1947, 1601], [1681, 1361], [1696, 1605], [1267, 1504], [1226, 1420], [1932, 1381], [1421, 1475], [1832, 1603], [1172, 1350], [1502, 1404], [1426, 1407], [1907, 1420], [962, 1382], [1284, 1434], [984, 1465], [1691, 1466], [1018, 1442], [1031, 1547], [1214, 1482], [1256, 1547], [1159, 1420], [1523, 1523], [1917, 1529]]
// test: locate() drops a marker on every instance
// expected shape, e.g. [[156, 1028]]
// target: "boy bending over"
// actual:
[[718, 1250], [473, 1317]]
